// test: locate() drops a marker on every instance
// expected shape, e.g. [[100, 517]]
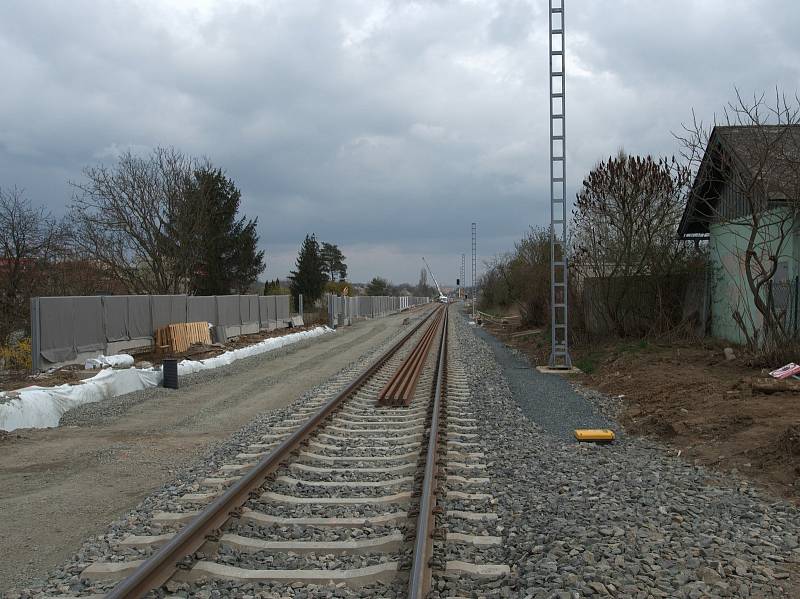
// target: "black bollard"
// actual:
[[170, 369]]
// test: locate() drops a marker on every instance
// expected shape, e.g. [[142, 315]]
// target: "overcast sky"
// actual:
[[384, 126]]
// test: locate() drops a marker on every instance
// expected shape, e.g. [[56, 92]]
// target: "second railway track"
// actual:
[[347, 494]]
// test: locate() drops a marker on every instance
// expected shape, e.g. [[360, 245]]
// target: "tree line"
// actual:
[[627, 269], [162, 223], [630, 274], [320, 268]]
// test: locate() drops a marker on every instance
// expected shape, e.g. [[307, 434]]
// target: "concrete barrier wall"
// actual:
[[342, 311], [67, 330]]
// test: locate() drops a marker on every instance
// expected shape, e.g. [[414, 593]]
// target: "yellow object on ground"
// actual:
[[601, 435]]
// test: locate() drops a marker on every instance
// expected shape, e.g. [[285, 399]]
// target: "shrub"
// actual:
[[18, 356]]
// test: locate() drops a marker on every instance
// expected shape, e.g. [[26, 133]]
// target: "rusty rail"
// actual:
[[399, 390], [419, 582], [159, 567]]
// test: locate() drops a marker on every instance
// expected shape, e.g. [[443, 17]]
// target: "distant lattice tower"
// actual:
[[463, 274], [474, 292]]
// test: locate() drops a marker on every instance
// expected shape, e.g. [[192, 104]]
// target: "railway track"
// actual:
[[355, 490]]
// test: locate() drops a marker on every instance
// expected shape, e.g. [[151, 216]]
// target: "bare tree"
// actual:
[[625, 219], [748, 182], [423, 289], [30, 238], [124, 217]]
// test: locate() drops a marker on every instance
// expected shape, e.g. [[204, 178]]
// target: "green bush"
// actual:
[[17, 357]]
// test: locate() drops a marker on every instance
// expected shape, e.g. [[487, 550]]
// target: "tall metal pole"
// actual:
[[559, 354], [474, 269], [463, 274]]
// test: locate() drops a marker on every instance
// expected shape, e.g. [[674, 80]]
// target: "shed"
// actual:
[[748, 187]]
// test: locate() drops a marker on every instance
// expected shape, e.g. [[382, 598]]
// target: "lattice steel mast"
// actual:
[[474, 269], [463, 274], [559, 355]]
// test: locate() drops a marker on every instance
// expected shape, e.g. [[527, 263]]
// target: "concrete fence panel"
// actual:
[[68, 330], [57, 329], [344, 310], [282, 306], [140, 317], [90, 335], [115, 317], [263, 312], [201, 308], [167, 309], [228, 311]]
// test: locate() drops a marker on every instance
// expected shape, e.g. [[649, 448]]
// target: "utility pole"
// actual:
[[559, 353], [474, 269]]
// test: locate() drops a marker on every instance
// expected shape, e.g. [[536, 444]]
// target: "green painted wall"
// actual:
[[727, 245]]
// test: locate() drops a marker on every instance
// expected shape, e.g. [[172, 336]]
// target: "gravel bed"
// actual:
[[308, 561], [312, 533], [221, 589], [489, 528], [628, 519], [286, 510], [356, 462], [550, 401], [301, 490], [65, 580], [358, 438], [346, 475], [365, 450]]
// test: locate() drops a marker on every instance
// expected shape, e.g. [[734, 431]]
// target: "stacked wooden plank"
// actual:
[[177, 338]]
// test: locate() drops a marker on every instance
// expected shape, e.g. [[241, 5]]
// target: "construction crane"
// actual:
[[442, 296]]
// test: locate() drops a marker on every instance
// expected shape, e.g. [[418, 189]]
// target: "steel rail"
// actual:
[[400, 388], [160, 566], [419, 581]]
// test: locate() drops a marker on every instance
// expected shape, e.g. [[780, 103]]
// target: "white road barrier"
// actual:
[[41, 407]]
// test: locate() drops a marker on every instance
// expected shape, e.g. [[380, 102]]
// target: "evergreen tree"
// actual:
[[378, 286], [333, 261], [226, 255], [309, 278]]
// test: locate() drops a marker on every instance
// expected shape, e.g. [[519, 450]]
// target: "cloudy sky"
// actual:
[[386, 126]]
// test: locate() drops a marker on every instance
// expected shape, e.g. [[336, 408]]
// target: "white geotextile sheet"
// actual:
[[115, 361], [40, 407]]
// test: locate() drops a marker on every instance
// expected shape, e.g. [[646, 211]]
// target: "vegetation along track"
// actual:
[[347, 492]]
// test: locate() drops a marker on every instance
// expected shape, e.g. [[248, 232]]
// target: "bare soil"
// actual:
[[68, 375], [62, 485], [710, 410]]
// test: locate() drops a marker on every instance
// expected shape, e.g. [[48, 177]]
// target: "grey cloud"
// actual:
[[384, 126]]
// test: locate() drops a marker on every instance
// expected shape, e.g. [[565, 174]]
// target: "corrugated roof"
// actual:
[[768, 155]]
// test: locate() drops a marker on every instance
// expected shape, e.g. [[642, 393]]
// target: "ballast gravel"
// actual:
[[66, 580], [625, 520], [550, 401]]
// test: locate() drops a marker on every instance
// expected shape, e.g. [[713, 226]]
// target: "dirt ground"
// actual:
[[688, 395], [59, 486]]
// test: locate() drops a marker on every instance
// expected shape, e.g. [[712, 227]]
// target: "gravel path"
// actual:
[[549, 400], [92, 414], [626, 519]]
